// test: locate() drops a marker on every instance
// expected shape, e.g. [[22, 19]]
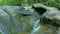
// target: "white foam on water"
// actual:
[[36, 27]]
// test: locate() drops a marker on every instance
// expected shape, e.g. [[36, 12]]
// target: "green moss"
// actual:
[[0, 32], [29, 28]]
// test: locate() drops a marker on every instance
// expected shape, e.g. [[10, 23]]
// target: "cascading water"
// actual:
[[8, 23], [51, 13], [36, 26]]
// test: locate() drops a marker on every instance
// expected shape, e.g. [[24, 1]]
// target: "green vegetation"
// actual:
[[11, 29], [55, 3], [10, 2]]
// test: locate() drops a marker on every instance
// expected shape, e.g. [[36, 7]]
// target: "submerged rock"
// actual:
[[48, 19], [17, 20]]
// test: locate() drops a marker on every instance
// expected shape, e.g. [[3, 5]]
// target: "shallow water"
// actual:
[[12, 22]]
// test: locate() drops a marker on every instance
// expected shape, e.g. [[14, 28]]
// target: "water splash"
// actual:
[[36, 26]]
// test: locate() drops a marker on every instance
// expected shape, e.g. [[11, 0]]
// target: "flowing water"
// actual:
[[36, 26], [51, 13], [13, 22]]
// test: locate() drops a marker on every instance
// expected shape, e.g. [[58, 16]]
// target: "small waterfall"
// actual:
[[36, 26]]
